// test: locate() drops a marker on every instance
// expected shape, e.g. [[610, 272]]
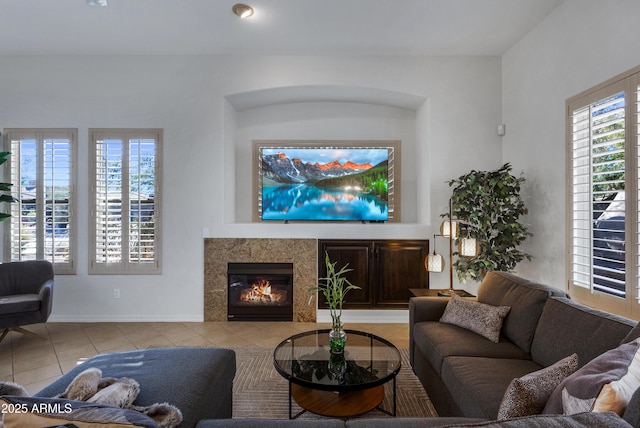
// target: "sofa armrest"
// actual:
[[421, 309], [426, 308]]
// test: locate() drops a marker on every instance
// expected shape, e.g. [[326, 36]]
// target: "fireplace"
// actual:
[[260, 291]]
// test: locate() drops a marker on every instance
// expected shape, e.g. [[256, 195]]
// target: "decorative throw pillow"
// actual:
[[528, 394], [486, 320], [604, 384], [29, 412]]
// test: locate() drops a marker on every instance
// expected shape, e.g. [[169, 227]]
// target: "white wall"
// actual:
[[206, 137], [582, 43]]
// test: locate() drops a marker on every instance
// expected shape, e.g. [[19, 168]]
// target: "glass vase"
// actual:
[[337, 337]]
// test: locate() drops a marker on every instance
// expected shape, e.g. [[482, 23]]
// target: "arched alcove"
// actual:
[[323, 112]]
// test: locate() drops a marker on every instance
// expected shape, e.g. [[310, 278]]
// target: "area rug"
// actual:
[[260, 392]]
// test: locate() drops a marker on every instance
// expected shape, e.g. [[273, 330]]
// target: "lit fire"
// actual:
[[261, 293]]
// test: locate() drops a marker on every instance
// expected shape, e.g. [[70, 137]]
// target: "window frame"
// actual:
[[124, 266], [629, 305], [40, 135]]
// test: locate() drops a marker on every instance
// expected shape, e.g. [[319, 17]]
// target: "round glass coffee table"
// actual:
[[339, 386]]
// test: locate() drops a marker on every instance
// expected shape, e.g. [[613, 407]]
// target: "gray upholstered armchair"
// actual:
[[26, 294]]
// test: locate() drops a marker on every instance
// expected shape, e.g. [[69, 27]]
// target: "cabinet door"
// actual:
[[357, 254], [399, 266]]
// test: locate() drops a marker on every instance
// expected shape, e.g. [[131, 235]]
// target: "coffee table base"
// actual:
[[336, 404]]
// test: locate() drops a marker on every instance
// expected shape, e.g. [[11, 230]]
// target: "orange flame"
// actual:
[[261, 293]]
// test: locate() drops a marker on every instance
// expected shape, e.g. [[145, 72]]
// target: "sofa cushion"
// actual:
[[198, 381], [566, 327], [583, 420], [383, 422], [437, 340], [270, 423], [606, 383], [486, 320], [632, 412], [28, 412], [409, 422], [527, 395], [18, 303], [478, 384], [526, 300]]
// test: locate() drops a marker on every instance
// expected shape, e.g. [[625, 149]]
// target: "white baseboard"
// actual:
[[354, 316], [367, 316], [128, 318]]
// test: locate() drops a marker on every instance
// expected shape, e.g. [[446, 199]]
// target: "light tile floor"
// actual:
[[36, 362]]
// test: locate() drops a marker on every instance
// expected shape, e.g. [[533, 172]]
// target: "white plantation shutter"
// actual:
[[126, 189], [598, 202], [142, 226], [581, 199], [42, 170], [603, 233], [108, 189]]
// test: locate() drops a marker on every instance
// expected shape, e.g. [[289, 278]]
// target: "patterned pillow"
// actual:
[[486, 320], [604, 384], [29, 412], [528, 394]]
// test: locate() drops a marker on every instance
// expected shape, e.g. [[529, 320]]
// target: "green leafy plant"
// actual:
[[488, 206], [5, 187], [334, 287]]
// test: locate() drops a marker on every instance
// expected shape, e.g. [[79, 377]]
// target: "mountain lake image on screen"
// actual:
[[324, 183]]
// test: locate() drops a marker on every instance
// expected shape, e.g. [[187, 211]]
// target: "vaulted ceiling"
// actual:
[[286, 27]]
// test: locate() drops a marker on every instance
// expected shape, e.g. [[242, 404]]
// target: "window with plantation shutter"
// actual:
[[598, 166], [603, 190], [125, 219], [42, 171]]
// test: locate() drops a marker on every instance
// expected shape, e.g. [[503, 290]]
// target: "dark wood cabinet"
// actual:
[[384, 269]]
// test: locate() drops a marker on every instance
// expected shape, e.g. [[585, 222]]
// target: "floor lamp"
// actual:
[[467, 247]]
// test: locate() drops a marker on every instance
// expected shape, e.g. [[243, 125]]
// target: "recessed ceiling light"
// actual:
[[97, 3], [242, 10]]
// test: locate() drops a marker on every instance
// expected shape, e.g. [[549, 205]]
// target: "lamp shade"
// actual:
[[434, 263], [468, 247], [447, 226]]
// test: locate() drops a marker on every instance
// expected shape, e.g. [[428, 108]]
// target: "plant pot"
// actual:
[[337, 338]]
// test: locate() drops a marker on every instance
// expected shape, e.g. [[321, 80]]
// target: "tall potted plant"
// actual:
[[489, 205], [334, 287]]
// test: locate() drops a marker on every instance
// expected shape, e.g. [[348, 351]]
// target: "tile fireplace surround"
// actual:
[[220, 251]]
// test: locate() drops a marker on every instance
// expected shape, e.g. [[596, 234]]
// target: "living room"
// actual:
[[420, 97], [443, 105]]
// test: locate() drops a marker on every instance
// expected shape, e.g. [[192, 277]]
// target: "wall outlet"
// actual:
[[116, 293]]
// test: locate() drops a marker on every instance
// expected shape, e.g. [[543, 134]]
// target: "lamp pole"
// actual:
[[451, 231], [435, 262]]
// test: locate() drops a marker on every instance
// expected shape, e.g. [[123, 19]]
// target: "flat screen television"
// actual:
[[325, 183]]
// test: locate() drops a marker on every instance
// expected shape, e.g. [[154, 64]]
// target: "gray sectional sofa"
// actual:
[[467, 375]]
